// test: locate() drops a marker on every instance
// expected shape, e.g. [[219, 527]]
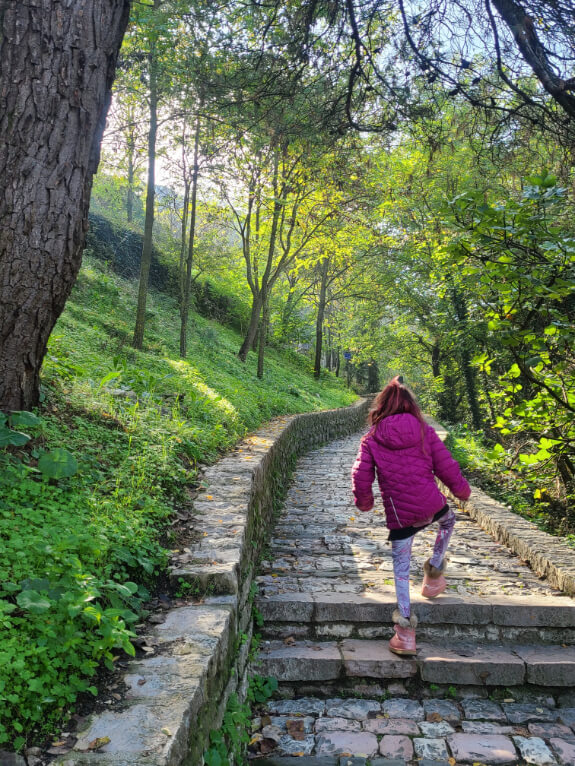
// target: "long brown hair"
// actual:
[[395, 399]]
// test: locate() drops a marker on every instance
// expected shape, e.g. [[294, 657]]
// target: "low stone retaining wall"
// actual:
[[548, 555], [198, 655]]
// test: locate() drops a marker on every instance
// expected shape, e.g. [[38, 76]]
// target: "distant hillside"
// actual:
[[121, 249]]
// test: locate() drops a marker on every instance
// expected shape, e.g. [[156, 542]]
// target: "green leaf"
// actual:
[[58, 464], [33, 601], [23, 419], [10, 438]]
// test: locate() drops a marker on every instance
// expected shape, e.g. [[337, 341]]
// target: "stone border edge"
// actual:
[[548, 555], [179, 694]]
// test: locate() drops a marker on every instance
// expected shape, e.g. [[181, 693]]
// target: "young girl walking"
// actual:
[[406, 455]]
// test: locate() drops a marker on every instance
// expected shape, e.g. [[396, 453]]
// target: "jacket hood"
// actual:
[[398, 431]]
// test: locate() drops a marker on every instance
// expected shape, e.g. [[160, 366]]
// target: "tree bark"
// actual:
[[320, 317], [131, 148], [57, 66], [185, 304], [263, 337], [148, 243], [460, 306], [252, 327], [524, 31], [436, 359]]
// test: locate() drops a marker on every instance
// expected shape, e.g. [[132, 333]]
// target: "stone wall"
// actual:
[[547, 554], [196, 656]]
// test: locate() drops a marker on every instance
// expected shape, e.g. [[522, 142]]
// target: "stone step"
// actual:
[[461, 663], [537, 619], [428, 731]]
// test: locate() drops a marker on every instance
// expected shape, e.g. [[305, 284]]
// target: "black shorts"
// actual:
[[405, 532]]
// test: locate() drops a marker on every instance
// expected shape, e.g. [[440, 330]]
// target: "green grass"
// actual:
[[80, 553]]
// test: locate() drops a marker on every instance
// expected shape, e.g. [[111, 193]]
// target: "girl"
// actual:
[[406, 455]]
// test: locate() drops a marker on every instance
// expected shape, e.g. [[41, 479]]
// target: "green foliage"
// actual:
[[492, 467], [228, 743], [65, 601], [520, 256], [261, 688], [87, 489]]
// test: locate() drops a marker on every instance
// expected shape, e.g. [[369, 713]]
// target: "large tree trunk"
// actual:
[[148, 242], [57, 65]]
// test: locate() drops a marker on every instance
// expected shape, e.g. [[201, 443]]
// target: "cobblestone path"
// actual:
[[486, 692], [322, 543]]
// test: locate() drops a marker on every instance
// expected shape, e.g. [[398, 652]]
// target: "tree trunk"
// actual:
[[460, 306], [286, 315], [471, 390], [436, 359], [252, 327], [184, 236], [56, 70], [263, 337], [337, 362], [131, 147], [185, 305], [329, 353], [319, 319], [148, 243]]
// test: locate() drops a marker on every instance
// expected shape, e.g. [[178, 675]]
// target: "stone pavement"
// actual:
[[326, 595]]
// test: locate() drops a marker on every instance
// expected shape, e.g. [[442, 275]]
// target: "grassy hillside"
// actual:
[[81, 551]]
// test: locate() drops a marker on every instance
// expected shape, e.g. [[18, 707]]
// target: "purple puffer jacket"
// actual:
[[406, 465]]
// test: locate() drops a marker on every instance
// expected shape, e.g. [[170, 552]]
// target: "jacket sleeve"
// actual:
[[362, 478], [446, 468]]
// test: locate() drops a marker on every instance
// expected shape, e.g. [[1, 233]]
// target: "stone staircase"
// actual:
[[500, 643]]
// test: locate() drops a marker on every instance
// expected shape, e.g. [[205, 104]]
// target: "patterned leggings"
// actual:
[[401, 556]]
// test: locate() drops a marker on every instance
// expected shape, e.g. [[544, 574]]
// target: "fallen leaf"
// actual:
[[166, 731], [60, 743], [289, 641], [99, 742], [296, 728], [267, 745], [451, 761], [141, 681], [434, 718]]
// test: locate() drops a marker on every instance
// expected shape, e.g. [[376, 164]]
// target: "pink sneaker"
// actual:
[[403, 642], [434, 582]]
